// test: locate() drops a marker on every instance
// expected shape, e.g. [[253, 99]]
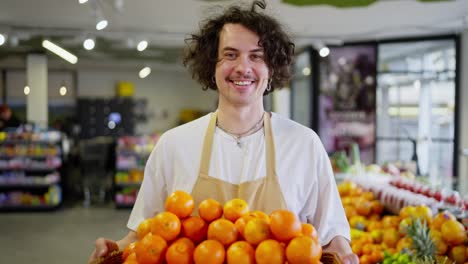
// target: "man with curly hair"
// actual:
[[243, 55]]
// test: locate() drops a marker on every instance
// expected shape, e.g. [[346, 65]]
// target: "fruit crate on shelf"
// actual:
[[132, 153]]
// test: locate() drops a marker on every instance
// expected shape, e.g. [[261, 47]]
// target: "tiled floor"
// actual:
[[63, 236]]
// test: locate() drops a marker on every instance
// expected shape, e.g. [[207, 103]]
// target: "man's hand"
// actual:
[[350, 259], [340, 245], [103, 247]]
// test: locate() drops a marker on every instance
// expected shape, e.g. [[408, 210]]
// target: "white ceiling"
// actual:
[[167, 22]]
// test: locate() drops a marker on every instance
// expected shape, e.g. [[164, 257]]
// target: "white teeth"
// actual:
[[242, 82]]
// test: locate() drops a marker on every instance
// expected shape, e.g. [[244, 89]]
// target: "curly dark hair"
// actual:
[[201, 54]]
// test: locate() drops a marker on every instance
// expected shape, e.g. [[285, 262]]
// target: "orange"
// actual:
[[195, 229], [403, 243], [235, 208], [210, 210], [223, 231], [357, 248], [407, 212], [261, 215], [390, 237], [131, 259], [209, 251], [453, 232], [167, 225], [457, 254], [369, 196], [240, 252], [285, 225], [270, 252], [128, 250], [390, 221], [180, 203], [303, 250], [350, 211], [440, 218], [180, 252], [256, 231], [376, 207], [424, 213], [364, 207], [309, 230], [242, 221], [151, 249], [143, 228], [365, 259]]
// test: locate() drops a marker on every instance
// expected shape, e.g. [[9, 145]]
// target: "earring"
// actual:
[[269, 85]]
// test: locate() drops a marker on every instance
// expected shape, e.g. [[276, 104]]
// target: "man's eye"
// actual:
[[230, 55], [256, 57]]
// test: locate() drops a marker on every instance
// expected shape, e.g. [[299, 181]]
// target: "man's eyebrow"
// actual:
[[229, 49], [257, 50]]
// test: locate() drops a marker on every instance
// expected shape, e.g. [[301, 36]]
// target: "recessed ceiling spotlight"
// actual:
[[101, 24], [324, 52], [144, 72], [26, 90], [2, 39], [89, 44], [82, 1], [142, 45]]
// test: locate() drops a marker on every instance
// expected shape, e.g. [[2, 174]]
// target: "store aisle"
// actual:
[[63, 236]]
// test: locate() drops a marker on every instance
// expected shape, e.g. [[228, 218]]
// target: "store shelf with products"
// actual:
[[29, 170], [132, 153]]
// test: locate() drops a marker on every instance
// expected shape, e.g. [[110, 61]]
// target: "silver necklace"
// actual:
[[237, 137]]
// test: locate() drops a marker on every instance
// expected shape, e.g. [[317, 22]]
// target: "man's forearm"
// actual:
[[129, 238]]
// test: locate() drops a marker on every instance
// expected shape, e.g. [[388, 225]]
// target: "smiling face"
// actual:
[[241, 72]]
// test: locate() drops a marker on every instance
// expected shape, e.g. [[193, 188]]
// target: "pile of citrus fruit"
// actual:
[[228, 233]]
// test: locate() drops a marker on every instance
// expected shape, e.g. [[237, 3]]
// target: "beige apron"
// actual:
[[262, 194]]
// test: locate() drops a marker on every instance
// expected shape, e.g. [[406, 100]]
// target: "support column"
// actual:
[[36, 102], [463, 126], [424, 126]]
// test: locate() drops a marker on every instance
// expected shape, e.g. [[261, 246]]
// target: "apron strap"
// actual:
[[207, 145], [269, 148]]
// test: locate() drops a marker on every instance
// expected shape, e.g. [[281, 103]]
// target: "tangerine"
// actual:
[[256, 231], [303, 250], [309, 230], [285, 225], [223, 231], [151, 249], [210, 210], [240, 252], [270, 252], [180, 203], [180, 252], [209, 251], [167, 225], [235, 208], [194, 228], [143, 228]]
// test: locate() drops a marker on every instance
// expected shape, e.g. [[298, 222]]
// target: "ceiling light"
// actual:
[[144, 72], [2, 39], [101, 24], [63, 90], [60, 51], [324, 52], [89, 44], [26, 90], [142, 45], [306, 71], [82, 1]]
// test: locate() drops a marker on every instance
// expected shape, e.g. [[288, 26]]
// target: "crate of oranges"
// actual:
[[228, 233]]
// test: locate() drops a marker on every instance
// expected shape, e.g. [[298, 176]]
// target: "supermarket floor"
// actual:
[[63, 236]]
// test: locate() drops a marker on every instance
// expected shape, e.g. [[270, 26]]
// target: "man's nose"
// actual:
[[243, 65]]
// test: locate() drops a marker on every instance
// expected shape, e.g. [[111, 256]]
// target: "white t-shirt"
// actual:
[[302, 166]]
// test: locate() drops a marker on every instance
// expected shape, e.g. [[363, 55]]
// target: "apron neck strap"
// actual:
[[208, 144]]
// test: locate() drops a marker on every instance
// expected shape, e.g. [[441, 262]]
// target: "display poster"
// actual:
[[347, 100]]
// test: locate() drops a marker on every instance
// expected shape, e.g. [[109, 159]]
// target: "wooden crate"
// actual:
[[115, 257]]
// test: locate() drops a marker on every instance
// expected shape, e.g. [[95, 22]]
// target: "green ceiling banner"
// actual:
[[336, 3], [341, 3]]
